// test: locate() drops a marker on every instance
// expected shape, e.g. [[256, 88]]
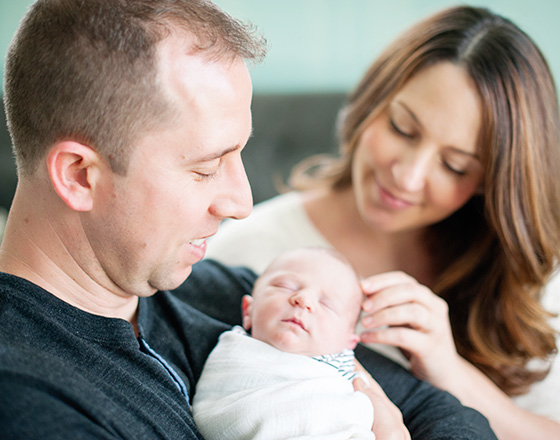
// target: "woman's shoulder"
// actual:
[[274, 226], [551, 297], [273, 216], [280, 206], [551, 302], [543, 397]]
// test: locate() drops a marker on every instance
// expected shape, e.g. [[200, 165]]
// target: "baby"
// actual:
[[292, 378]]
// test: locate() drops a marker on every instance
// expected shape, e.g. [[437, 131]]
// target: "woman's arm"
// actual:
[[407, 315], [509, 421], [428, 412]]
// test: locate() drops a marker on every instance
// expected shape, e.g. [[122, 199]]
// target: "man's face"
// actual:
[[149, 227]]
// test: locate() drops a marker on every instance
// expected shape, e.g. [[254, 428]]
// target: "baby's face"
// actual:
[[307, 303]]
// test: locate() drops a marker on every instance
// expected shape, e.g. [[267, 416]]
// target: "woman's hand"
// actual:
[[387, 421], [405, 314]]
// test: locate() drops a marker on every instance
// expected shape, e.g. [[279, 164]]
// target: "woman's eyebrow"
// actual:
[[409, 111], [417, 121]]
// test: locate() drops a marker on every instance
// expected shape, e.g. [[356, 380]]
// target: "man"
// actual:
[[128, 118]]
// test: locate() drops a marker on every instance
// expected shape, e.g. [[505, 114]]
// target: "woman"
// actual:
[[445, 195]]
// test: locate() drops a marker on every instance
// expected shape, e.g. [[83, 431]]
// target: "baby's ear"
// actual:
[[246, 306], [353, 341]]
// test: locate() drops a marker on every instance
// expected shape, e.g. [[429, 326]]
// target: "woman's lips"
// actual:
[[392, 201]]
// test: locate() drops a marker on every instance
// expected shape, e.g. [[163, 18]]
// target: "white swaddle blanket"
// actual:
[[250, 390]]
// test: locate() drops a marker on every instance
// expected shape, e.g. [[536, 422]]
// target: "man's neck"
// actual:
[[34, 250]]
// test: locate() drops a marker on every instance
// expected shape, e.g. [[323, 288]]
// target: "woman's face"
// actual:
[[418, 161]]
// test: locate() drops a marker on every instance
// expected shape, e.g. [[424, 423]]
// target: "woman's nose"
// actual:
[[411, 171]]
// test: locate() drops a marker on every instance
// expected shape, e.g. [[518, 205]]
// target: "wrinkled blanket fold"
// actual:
[[251, 390]]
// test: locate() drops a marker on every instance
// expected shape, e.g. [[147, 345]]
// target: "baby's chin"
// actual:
[[291, 346], [290, 343]]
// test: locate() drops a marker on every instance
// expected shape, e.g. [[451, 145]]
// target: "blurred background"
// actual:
[[318, 51]]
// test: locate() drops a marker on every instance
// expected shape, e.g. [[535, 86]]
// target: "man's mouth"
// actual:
[[199, 242]]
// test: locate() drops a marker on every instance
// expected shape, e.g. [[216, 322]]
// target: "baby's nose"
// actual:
[[300, 299]]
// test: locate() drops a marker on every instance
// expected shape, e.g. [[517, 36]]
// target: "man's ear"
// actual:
[[246, 304], [71, 167]]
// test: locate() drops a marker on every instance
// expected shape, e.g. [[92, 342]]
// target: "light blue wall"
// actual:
[[322, 45], [326, 45], [11, 12]]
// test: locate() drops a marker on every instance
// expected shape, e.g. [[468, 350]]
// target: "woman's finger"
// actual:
[[379, 282], [403, 293], [413, 315]]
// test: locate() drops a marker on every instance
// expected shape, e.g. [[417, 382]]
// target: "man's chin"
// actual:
[[170, 282]]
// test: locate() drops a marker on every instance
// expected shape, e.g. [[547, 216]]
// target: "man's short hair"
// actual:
[[86, 70]]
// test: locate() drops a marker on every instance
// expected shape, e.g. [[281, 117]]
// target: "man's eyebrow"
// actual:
[[218, 155], [213, 156]]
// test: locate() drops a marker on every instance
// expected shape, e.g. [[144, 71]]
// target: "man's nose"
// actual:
[[235, 199]]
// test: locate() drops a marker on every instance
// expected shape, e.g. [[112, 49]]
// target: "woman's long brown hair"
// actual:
[[502, 246]]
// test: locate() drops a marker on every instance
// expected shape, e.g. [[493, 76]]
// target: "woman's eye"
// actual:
[[400, 131], [455, 170]]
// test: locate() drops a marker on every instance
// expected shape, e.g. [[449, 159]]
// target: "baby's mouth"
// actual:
[[296, 322]]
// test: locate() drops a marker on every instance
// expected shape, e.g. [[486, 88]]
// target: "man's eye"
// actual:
[[205, 175]]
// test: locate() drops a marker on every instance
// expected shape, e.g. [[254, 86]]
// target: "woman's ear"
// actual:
[[246, 306], [72, 167]]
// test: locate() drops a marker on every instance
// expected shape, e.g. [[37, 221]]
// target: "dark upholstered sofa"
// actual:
[[287, 129], [8, 177]]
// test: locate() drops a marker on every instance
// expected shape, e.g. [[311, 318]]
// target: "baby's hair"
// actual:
[[338, 255]]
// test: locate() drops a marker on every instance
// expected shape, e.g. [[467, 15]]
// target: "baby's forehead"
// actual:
[[316, 265], [318, 257]]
